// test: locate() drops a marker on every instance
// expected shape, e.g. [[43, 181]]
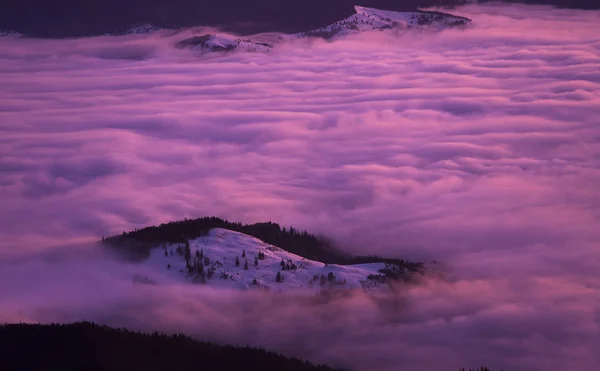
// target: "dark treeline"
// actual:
[[298, 242], [86, 346]]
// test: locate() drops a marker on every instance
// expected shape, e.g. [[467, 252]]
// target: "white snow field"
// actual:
[[222, 247]]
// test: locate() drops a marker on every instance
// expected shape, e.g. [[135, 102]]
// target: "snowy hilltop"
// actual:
[[370, 19], [215, 251], [231, 259], [213, 42]]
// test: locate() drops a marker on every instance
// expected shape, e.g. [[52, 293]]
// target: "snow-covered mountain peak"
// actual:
[[371, 19], [234, 260]]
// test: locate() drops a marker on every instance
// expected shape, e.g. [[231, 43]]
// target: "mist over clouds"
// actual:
[[477, 148]]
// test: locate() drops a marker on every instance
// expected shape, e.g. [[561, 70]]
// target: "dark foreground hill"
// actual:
[[89, 347]]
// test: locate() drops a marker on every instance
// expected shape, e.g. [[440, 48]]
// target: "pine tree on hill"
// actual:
[[237, 261], [255, 261], [246, 265], [244, 253], [188, 252], [278, 277]]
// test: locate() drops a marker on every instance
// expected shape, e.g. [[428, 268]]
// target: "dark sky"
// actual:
[[67, 18]]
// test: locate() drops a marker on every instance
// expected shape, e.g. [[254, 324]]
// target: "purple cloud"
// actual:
[[477, 148]]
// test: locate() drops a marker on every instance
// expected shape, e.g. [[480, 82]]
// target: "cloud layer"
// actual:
[[477, 148]]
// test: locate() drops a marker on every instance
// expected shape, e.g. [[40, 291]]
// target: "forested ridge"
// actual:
[[90, 347], [301, 243]]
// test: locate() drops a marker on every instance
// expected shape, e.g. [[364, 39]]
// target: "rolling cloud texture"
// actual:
[[478, 148]]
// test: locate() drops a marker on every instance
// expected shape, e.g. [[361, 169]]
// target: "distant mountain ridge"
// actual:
[[76, 18], [363, 20], [370, 19]]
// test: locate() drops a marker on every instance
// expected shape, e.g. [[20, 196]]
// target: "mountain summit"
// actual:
[[370, 19]]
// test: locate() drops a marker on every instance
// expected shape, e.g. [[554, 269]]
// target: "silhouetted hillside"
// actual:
[[309, 246], [89, 347]]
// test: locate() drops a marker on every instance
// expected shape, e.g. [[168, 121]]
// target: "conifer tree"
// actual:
[[255, 261], [244, 253], [237, 261], [166, 253], [278, 277], [188, 252], [246, 265]]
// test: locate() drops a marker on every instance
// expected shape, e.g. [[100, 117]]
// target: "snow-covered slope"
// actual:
[[370, 19], [213, 42], [217, 254]]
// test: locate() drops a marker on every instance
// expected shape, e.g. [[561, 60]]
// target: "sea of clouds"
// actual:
[[478, 148]]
